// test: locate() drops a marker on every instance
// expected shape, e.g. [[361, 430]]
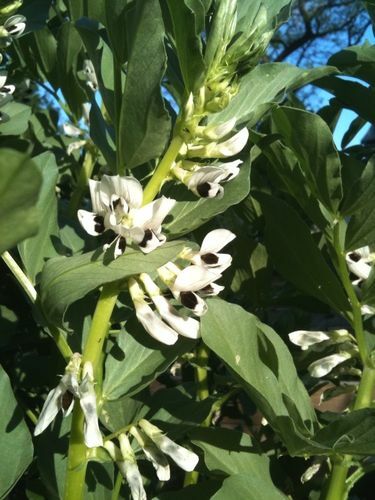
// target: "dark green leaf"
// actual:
[[144, 122], [34, 251], [19, 115], [249, 487], [311, 140], [67, 279], [361, 229], [16, 444], [296, 255], [20, 182], [360, 187]]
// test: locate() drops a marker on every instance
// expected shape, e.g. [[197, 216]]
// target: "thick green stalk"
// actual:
[[162, 170], [31, 293], [77, 455], [337, 486]]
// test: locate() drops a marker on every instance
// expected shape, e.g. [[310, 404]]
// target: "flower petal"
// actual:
[[192, 301], [91, 222], [153, 454], [357, 266], [71, 130], [131, 189], [215, 132], [130, 472], [152, 215], [150, 241], [305, 338], [153, 324], [50, 409], [323, 366], [96, 201], [215, 240], [92, 435], [193, 278]]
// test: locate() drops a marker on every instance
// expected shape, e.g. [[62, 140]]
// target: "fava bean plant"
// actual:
[[188, 293]]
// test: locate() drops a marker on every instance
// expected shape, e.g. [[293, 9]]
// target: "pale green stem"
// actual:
[[117, 487], [77, 455], [31, 293], [162, 170], [82, 182], [338, 487], [203, 392]]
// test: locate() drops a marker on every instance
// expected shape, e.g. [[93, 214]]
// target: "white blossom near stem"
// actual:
[[205, 181], [304, 338], [216, 132], [183, 457], [325, 365], [187, 285], [358, 262], [209, 256], [87, 399], [186, 326], [15, 25], [225, 149], [153, 454], [129, 469], [62, 397], [117, 205], [5, 90], [71, 130], [149, 319], [90, 75], [73, 146]]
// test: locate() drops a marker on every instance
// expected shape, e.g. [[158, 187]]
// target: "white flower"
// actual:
[[183, 457], [323, 366], [127, 464], [186, 326], [89, 71], [117, 206], [71, 130], [62, 397], [73, 146], [153, 454], [87, 399], [215, 132], [230, 147], [189, 284], [5, 90], [209, 256], [358, 262], [305, 338], [15, 25], [149, 319]]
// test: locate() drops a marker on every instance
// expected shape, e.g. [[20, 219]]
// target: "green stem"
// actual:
[[77, 455], [31, 293], [162, 170], [337, 486], [201, 375], [117, 76], [82, 181], [117, 487]]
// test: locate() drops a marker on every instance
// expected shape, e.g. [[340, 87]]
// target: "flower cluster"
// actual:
[[360, 263], [212, 142], [156, 446], [319, 341], [73, 386], [188, 285], [117, 206], [12, 28]]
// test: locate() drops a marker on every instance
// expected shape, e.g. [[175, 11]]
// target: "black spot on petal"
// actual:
[[355, 257], [188, 299], [121, 244], [210, 258], [146, 238], [66, 400], [99, 224], [204, 189]]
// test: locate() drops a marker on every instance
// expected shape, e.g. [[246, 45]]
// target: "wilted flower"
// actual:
[[127, 464], [62, 398], [183, 457], [117, 205], [323, 366]]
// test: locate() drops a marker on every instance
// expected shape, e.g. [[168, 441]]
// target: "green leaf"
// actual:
[[203, 490], [103, 136], [34, 251], [187, 43], [136, 360], [118, 32], [296, 256], [262, 363], [262, 87], [20, 182], [311, 140], [361, 229], [360, 187], [67, 279], [19, 115], [145, 125], [191, 212], [247, 486], [69, 45], [357, 61], [16, 444]]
